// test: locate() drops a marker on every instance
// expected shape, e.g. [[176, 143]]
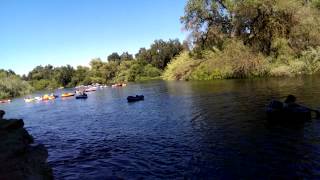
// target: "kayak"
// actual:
[[82, 96], [67, 94], [135, 98], [278, 112]]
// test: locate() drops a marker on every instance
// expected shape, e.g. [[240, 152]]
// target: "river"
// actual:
[[214, 129]]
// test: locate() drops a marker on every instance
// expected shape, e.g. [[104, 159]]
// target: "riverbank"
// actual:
[[236, 61], [20, 158]]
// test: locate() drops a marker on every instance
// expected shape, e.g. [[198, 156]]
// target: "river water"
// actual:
[[215, 130]]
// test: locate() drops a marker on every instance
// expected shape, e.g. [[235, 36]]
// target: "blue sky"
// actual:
[[60, 32]]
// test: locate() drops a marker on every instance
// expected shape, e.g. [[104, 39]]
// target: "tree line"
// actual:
[[124, 67], [148, 63]]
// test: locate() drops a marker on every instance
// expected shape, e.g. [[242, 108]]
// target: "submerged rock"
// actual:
[[19, 157]]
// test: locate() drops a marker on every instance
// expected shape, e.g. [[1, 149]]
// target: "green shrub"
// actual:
[[244, 62], [280, 71], [151, 71], [44, 84], [234, 61], [180, 67], [311, 58], [13, 86], [297, 67], [281, 52]]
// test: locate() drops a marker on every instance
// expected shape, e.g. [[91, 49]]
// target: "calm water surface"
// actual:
[[214, 130]]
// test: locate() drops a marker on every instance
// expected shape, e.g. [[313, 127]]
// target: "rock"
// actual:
[[2, 113], [19, 158], [12, 124]]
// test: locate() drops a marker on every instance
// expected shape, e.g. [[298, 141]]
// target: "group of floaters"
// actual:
[[80, 93], [45, 97]]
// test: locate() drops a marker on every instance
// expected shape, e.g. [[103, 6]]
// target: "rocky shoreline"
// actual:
[[20, 158]]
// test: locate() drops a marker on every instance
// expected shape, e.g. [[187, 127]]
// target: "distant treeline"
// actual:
[[146, 64]]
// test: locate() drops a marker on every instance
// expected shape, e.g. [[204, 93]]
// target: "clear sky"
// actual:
[[60, 32]]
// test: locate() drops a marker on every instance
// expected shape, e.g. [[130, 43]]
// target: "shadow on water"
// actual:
[[215, 129]]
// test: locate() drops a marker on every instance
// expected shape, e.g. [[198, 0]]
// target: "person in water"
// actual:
[[291, 101]]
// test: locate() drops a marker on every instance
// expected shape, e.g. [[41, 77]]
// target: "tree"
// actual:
[[143, 56], [257, 23], [114, 57], [160, 53], [208, 20], [64, 74], [79, 75], [125, 56]]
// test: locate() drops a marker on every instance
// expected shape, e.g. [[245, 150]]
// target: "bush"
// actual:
[[234, 61], [281, 52], [151, 71], [13, 86], [180, 67], [311, 58], [44, 84], [280, 71], [213, 67], [129, 71], [244, 62]]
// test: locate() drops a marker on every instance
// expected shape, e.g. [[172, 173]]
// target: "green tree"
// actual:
[[79, 76], [125, 56], [114, 57], [11, 85], [160, 53], [64, 74], [256, 22]]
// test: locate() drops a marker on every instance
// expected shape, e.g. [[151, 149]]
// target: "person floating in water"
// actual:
[[290, 102]]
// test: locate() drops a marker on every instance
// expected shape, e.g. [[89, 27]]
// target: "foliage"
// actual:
[[180, 67], [49, 77], [151, 71], [234, 61], [249, 38], [134, 71], [311, 58], [79, 76], [114, 57], [11, 85], [257, 23], [63, 75], [160, 53]]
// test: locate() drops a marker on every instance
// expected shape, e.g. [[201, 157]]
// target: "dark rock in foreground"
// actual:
[[19, 157]]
